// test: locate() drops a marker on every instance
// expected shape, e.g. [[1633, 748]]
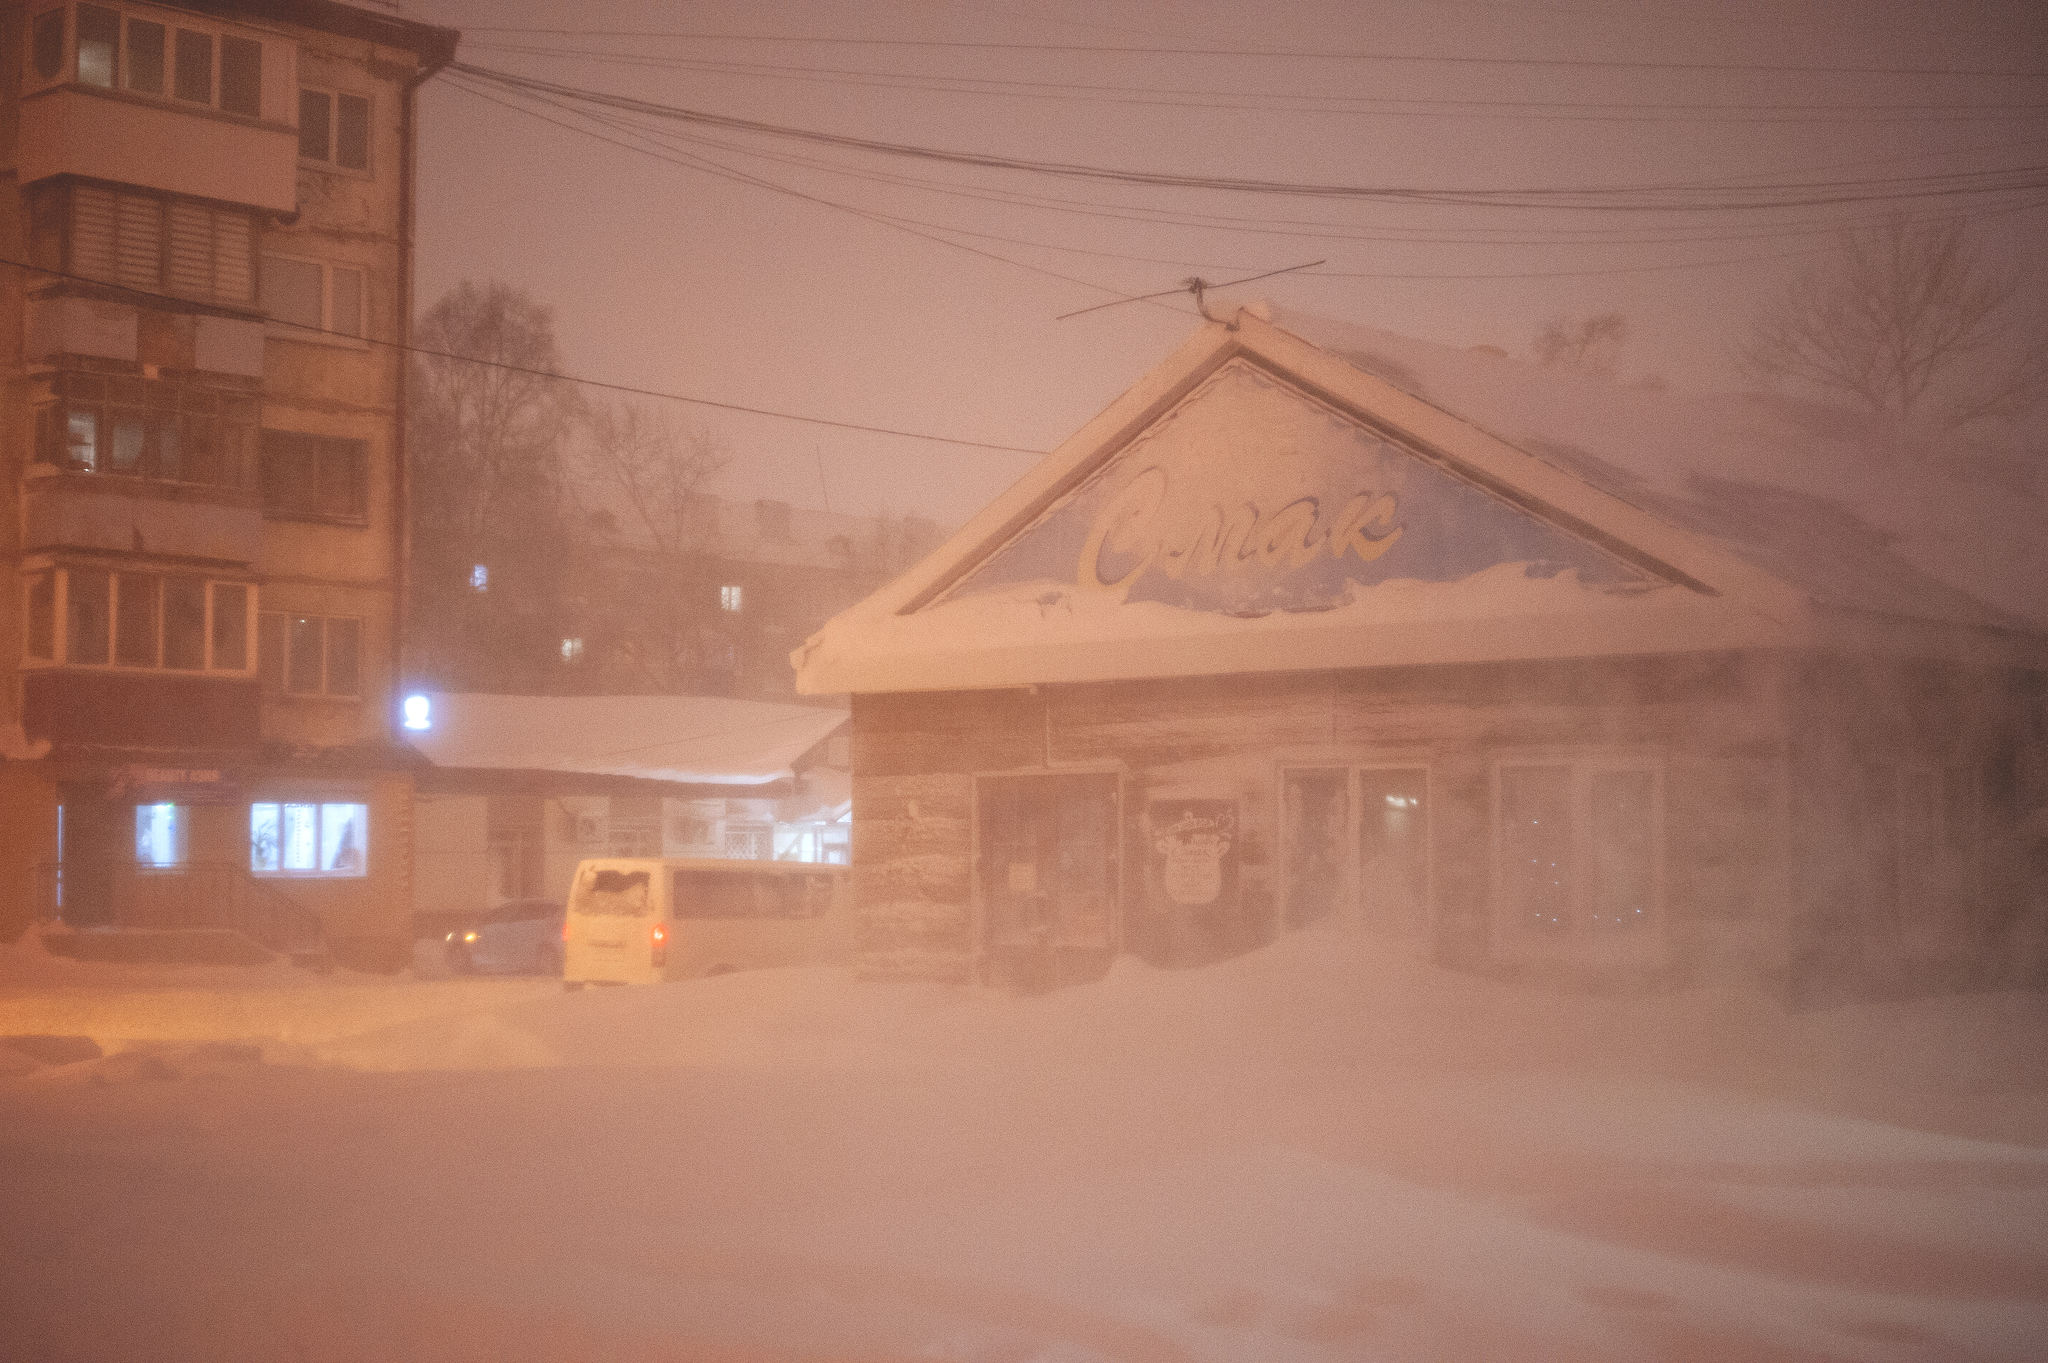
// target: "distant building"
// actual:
[[524, 787], [1512, 670], [721, 619], [204, 474]]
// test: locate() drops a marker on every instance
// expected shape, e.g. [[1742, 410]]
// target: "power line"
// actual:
[[742, 177], [1284, 54], [1379, 106], [549, 374], [1620, 198], [1264, 226], [1205, 222]]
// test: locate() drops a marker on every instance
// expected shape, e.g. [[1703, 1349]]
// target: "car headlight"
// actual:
[[469, 937]]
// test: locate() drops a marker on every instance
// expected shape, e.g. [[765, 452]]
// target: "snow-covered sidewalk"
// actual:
[[1313, 1153]]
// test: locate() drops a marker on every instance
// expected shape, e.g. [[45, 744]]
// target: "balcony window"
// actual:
[[310, 655], [334, 129], [98, 617], [153, 243], [314, 298], [309, 839], [115, 49], [315, 477], [141, 428]]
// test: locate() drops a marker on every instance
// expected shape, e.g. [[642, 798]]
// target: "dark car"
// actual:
[[519, 937]]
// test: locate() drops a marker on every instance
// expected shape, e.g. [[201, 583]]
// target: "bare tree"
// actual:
[[487, 435], [651, 593], [1908, 321], [1591, 345]]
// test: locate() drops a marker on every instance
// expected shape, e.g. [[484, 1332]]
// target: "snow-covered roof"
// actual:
[[695, 739], [1288, 492]]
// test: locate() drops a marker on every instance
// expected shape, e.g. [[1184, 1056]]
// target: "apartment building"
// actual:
[[208, 238]]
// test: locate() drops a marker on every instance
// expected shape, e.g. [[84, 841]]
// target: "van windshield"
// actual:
[[614, 894]]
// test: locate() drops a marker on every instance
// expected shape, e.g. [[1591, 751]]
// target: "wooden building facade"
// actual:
[[1275, 641]]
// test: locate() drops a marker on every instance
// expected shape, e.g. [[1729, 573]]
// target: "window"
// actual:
[[142, 428], [309, 839], [480, 577], [1578, 854], [729, 598], [96, 617], [313, 296], [310, 655], [157, 243], [315, 477], [160, 835], [147, 57], [572, 650], [334, 128]]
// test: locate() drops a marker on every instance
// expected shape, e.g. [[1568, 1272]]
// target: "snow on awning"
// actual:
[[694, 739]]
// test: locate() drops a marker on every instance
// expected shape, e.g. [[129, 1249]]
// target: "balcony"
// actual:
[[111, 513], [89, 707]]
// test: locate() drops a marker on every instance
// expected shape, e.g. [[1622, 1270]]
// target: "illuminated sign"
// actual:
[[1251, 497]]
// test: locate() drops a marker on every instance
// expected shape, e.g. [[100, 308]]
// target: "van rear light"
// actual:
[[658, 944]]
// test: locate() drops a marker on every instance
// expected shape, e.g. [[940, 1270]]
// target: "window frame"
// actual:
[[331, 163], [53, 212], [162, 407], [121, 75], [60, 621], [281, 683], [271, 443], [1580, 942], [282, 329], [320, 804]]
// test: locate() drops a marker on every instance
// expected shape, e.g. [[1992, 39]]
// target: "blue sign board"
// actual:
[[1251, 497]]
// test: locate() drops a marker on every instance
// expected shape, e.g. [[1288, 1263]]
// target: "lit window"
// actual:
[[309, 839], [159, 835], [572, 649], [729, 598], [480, 577]]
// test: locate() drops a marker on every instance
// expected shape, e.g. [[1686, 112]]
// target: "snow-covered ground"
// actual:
[[1316, 1152]]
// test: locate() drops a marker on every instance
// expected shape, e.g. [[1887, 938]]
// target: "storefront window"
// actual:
[[159, 835], [1577, 846], [327, 839]]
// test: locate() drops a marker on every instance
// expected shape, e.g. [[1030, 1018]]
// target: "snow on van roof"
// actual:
[[698, 739]]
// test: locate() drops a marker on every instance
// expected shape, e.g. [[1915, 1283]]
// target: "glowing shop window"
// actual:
[[159, 835], [309, 839], [729, 598]]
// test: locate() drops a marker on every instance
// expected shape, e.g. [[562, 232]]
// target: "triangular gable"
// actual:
[[1251, 496], [1429, 540]]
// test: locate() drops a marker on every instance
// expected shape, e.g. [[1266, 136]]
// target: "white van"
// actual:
[[640, 920]]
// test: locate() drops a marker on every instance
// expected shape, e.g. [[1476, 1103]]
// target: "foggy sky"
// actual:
[[669, 278]]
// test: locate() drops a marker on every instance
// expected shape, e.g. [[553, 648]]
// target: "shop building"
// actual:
[[201, 456], [522, 788], [1516, 670]]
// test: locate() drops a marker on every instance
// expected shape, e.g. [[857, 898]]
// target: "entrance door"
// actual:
[[1048, 878], [1355, 843]]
